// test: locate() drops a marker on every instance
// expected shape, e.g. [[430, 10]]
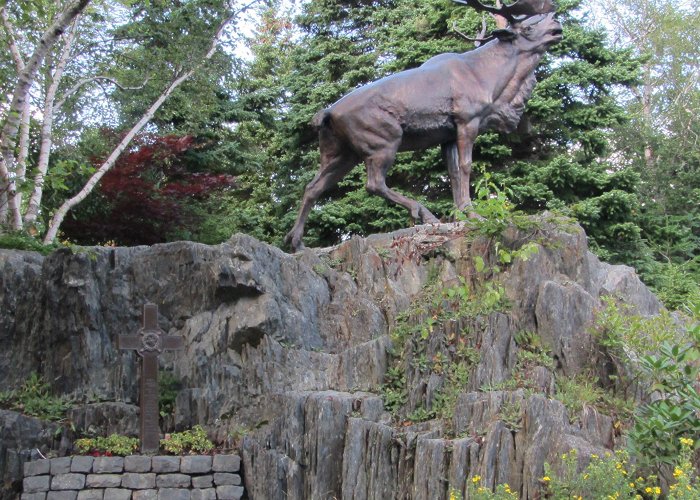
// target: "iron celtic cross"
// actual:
[[149, 342]]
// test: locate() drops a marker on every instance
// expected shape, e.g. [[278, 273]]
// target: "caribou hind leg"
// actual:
[[334, 166], [377, 167]]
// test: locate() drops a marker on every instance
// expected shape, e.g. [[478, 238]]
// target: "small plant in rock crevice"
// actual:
[[34, 398], [530, 355], [584, 390], [511, 415], [452, 354], [394, 389]]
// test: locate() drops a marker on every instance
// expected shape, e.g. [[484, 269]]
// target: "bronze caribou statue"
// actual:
[[447, 101]]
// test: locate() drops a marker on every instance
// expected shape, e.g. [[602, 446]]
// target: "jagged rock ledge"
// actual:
[[292, 351]]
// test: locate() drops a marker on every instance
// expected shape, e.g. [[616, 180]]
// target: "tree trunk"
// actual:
[[649, 156], [25, 79], [21, 164], [32, 212]]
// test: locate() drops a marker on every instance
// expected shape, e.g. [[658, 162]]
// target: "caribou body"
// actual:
[[447, 101]]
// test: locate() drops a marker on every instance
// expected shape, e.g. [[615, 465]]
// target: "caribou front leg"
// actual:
[[377, 166], [460, 168]]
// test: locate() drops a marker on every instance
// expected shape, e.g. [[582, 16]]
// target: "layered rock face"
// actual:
[[293, 350]]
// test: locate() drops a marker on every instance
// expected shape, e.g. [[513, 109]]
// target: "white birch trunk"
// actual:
[[23, 131], [46, 141], [25, 79], [21, 163], [21, 167], [3, 208]]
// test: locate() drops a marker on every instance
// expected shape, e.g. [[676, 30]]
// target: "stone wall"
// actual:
[[138, 477]]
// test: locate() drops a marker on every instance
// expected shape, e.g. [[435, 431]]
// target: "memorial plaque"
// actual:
[[149, 342]]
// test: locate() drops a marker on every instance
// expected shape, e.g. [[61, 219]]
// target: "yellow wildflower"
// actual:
[[648, 489], [507, 488], [481, 489], [546, 479], [677, 472], [687, 441], [453, 495], [585, 476], [593, 455], [657, 491], [631, 485], [476, 479]]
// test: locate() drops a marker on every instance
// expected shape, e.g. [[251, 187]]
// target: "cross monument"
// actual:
[[149, 342]]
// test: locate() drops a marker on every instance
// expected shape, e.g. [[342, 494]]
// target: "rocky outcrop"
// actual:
[[293, 350], [22, 439]]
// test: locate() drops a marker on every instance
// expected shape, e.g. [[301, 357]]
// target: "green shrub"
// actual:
[[113, 444], [191, 441], [658, 353], [169, 386], [611, 477], [20, 240], [604, 477], [627, 336], [676, 284], [675, 410]]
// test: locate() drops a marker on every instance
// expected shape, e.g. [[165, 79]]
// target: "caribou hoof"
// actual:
[[294, 243], [424, 215]]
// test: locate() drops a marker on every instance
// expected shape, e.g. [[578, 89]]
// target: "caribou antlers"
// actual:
[[514, 12]]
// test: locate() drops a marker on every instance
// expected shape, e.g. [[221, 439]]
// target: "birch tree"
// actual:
[[16, 112], [99, 65]]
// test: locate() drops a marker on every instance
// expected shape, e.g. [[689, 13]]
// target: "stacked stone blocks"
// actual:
[[196, 477]]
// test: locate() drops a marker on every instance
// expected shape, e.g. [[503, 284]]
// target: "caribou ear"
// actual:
[[505, 35]]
